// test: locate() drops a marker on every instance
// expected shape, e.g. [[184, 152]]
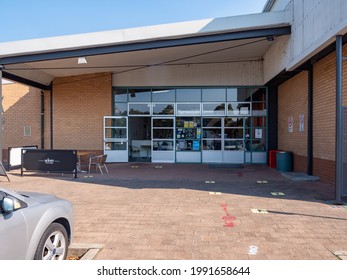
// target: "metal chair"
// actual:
[[98, 162]]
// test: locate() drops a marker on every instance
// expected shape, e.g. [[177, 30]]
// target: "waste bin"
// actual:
[[284, 161], [272, 158]]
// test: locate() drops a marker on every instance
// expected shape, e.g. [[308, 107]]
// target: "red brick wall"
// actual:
[[293, 101], [22, 107], [79, 105]]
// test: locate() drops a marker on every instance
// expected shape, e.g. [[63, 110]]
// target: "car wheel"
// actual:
[[53, 244]]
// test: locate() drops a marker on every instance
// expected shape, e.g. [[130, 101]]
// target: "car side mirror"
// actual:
[[7, 205]]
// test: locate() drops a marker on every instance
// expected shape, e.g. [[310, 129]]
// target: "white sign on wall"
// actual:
[[290, 124]]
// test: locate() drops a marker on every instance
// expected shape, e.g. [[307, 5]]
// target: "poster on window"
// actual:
[[290, 124], [258, 133], [301, 123]]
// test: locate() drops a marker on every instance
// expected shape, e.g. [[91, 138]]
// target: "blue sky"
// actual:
[[29, 19]]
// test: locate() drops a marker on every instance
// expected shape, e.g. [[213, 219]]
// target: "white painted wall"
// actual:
[[223, 74], [315, 25]]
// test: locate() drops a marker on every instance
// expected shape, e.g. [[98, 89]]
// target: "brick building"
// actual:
[[221, 90]]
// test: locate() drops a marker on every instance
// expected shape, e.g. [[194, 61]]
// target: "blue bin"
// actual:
[[284, 161]]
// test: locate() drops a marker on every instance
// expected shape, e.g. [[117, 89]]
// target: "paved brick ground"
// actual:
[[189, 211]]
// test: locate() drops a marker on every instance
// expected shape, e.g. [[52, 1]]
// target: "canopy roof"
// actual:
[[247, 37]]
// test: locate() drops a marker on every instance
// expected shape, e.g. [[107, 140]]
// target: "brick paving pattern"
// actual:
[[198, 211]]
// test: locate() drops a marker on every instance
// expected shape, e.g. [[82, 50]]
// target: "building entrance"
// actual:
[[194, 125], [140, 139]]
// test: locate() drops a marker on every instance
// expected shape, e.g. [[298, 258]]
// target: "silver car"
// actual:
[[34, 226]]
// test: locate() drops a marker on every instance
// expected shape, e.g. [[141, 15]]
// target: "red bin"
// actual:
[[272, 158]]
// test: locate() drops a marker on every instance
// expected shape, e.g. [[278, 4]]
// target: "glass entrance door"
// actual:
[[116, 139], [163, 149], [233, 137]]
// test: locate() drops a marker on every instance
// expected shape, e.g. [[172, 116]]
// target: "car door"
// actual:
[[13, 235]]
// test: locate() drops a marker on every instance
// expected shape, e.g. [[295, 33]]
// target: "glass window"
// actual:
[[118, 122], [258, 146], [163, 109], [188, 133], [213, 109], [138, 95], [184, 109], [187, 145], [120, 109], [188, 122], [231, 133], [239, 108], [120, 95], [162, 133], [117, 133], [238, 94], [259, 121], [163, 122], [211, 122], [139, 109], [213, 94], [116, 146], [212, 133], [163, 145], [233, 145], [163, 95], [259, 95], [215, 145], [188, 94], [233, 122], [259, 109]]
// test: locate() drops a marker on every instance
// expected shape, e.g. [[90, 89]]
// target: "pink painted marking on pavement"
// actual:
[[227, 218]]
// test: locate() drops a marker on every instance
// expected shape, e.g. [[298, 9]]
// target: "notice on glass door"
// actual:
[[258, 133]]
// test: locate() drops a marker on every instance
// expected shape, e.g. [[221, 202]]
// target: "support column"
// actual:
[[1, 114], [310, 122], [339, 122], [51, 114]]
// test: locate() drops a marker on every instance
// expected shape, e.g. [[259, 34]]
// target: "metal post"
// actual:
[[51, 114], [339, 122], [42, 119], [310, 122], [1, 113]]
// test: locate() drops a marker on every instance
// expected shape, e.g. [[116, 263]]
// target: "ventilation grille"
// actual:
[[27, 130]]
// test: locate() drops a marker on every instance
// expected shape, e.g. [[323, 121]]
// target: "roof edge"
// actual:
[[148, 33]]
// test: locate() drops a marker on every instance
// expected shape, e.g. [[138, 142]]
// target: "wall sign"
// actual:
[[290, 124]]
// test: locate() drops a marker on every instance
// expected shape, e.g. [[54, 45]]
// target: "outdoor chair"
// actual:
[[83, 161], [99, 162]]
